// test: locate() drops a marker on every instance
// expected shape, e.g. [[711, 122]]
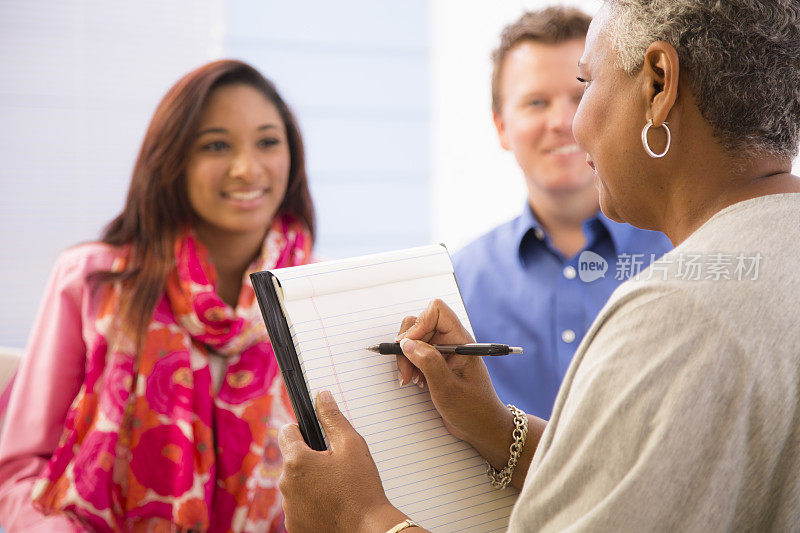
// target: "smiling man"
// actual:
[[539, 280]]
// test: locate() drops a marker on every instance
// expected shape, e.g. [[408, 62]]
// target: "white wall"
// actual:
[[476, 185], [80, 79], [356, 74]]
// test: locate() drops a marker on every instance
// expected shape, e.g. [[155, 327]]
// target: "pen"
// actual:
[[393, 348]]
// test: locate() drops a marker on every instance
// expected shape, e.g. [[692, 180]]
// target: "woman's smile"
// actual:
[[246, 199]]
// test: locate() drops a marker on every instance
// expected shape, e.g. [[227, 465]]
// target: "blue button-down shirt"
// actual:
[[520, 290]]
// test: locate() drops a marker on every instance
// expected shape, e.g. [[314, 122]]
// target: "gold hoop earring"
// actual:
[[647, 145]]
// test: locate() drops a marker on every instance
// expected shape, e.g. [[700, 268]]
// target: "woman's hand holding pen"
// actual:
[[461, 388]]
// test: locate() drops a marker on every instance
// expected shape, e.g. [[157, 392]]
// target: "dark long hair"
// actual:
[[157, 206]]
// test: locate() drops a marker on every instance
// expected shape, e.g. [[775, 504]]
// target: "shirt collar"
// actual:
[[528, 223], [529, 235], [594, 227], [620, 233]]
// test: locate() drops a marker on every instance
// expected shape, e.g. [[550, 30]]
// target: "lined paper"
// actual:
[[335, 310]]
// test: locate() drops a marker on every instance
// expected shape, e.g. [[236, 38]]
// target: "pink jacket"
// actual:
[[49, 377]]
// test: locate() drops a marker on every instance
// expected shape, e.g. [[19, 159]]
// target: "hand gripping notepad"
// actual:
[[320, 319]]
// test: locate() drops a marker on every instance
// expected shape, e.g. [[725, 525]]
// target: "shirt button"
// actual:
[[569, 272], [539, 233], [567, 336]]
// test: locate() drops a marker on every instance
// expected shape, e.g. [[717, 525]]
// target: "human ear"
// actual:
[[660, 71], [501, 130]]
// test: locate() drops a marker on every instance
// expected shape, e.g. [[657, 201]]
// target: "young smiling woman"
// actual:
[[236, 176], [148, 398]]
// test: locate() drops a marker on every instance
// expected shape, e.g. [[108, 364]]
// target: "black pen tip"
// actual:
[[375, 348]]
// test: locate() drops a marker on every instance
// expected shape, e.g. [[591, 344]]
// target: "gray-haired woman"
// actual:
[[681, 409]]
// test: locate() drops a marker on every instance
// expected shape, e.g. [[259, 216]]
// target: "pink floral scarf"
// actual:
[[153, 448]]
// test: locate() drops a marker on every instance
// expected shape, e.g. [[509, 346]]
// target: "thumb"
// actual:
[[334, 423], [291, 443]]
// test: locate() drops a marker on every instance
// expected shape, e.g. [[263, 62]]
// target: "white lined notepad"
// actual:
[[336, 309]]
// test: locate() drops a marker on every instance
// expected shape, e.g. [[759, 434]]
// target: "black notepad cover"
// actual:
[[283, 346]]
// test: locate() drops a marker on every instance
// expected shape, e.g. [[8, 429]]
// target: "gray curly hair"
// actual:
[[742, 58]]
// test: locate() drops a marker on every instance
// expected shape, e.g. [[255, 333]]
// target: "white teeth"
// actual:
[[245, 195], [568, 149]]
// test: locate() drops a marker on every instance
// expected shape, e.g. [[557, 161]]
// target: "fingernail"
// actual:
[[421, 385], [400, 379], [326, 399], [407, 345], [415, 379], [399, 337]]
